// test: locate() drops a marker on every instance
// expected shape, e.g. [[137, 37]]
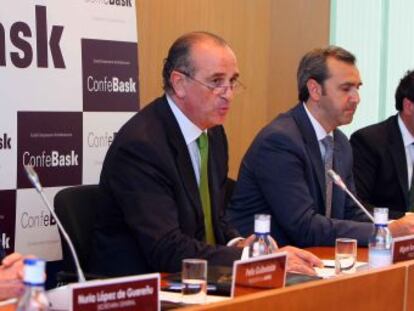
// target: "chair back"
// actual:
[[76, 208]]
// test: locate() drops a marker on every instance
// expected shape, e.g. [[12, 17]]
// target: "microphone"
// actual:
[[34, 179], [340, 183]]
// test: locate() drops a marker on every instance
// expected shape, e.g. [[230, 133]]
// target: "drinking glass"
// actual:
[[194, 280], [345, 255]]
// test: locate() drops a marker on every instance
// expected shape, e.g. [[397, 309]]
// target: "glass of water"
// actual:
[[345, 255], [194, 280]]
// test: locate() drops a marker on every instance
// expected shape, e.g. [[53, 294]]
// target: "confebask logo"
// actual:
[[98, 140], [112, 85], [111, 2], [110, 75], [51, 142], [24, 40], [5, 141], [38, 220]]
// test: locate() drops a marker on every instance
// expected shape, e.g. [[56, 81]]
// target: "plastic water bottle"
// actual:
[[262, 244], [34, 297], [379, 247]]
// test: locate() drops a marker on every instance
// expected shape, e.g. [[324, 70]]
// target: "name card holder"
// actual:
[[133, 292], [403, 248], [258, 274]]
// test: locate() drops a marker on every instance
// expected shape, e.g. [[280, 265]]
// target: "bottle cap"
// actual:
[[34, 271], [381, 215], [261, 223]]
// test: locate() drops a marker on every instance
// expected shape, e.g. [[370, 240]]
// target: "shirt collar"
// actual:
[[190, 131], [408, 139], [319, 130]]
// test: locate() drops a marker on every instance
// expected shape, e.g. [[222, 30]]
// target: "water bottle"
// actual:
[[379, 246], [34, 297], [262, 244]]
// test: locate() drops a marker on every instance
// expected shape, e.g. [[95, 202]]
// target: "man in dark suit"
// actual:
[[284, 170], [167, 200], [384, 154]]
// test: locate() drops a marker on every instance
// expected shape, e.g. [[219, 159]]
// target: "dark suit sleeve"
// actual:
[[365, 168], [150, 201], [224, 191], [285, 176]]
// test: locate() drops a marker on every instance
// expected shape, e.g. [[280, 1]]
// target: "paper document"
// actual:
[[177, 297], [329, 270]]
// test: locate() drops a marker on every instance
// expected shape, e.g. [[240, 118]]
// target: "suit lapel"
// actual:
[[311, 144], [397, 151], [183, 160]]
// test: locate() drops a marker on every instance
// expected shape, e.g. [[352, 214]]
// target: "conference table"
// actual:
[[390, 288]]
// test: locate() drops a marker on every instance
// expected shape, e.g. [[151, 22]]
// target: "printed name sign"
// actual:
[[126, 293], [403, 248], [259, 273]]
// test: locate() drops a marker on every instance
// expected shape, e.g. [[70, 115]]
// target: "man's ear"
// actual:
[[314, 89], [177, 80], [407, 106]]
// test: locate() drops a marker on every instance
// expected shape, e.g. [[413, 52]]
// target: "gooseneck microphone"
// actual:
[[34, 179], [340, 183]]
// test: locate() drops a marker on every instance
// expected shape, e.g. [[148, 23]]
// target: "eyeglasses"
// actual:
[[218, 88]]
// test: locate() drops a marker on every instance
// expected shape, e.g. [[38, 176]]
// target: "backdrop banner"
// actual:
[[68, 81]]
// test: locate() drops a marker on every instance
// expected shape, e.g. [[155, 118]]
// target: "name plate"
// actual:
[[258, 274], [403, 248], [126, 293]]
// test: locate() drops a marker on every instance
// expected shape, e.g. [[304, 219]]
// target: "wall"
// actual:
[[268, 36], [381, 37]]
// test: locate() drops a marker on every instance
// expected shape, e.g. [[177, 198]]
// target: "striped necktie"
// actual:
[[328, 162]]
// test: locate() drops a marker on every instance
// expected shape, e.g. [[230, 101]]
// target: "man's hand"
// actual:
[[11, 275], [301, 261], [244, 242], [402, 226]]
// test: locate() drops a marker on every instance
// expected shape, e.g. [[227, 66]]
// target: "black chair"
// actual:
[[76, 208]]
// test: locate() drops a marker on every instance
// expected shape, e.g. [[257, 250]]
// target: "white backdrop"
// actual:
[[49, 50]]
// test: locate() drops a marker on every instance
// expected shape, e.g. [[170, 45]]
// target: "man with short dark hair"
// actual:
[[384, 155], [284, 172], [165, 172]]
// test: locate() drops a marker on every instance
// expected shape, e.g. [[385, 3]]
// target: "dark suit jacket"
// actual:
[[282, 174], [155, 218], [380, 166]]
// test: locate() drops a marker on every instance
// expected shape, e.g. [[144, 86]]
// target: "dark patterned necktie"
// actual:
[[328, 162]]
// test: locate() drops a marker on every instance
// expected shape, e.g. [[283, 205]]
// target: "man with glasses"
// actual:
[[166, 171]]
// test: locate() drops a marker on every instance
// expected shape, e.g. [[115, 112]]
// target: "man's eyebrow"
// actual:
[[222, 74], [348, 83]]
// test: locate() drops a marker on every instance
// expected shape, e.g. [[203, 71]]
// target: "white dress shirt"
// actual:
[[319, 130], [190, 132]]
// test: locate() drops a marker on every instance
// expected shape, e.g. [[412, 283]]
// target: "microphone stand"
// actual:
[[340, 183], [34, 179]]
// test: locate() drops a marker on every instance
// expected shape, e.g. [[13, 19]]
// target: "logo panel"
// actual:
[[99, 131], [36, 230], [7, 219], [51, 142], [110, 75]]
